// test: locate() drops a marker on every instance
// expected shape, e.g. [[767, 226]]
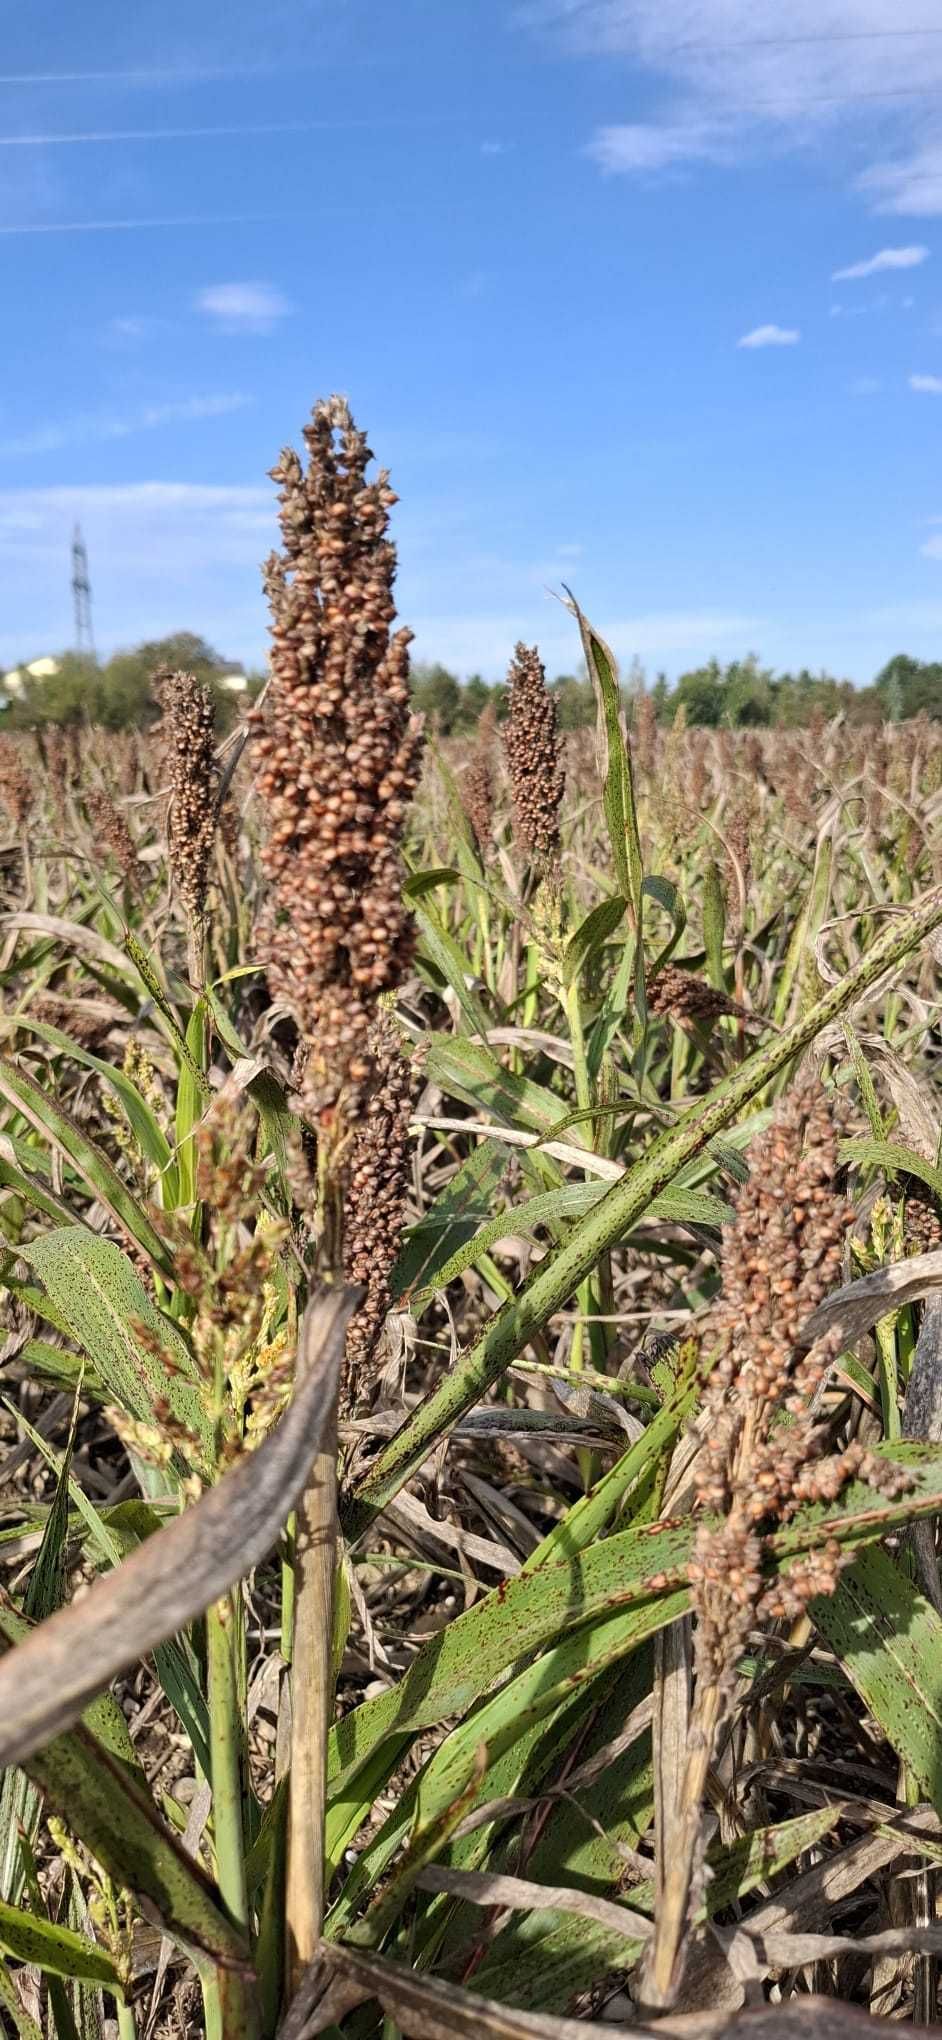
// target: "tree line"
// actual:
[[743, 694], [118, 693]]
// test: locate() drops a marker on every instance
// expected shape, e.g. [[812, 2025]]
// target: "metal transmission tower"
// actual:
[[82, 596]]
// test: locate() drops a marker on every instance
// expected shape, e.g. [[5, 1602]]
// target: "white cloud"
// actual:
[[243, 307], [932, 550], [911, 187], [926, 385], [97, 426], [771, 336], [746, 75], [888, 258], [470, 642], [494, 148], [866, 386], [647, 146]]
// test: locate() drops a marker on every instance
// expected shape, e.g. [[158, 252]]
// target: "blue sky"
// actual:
[[530, 239]]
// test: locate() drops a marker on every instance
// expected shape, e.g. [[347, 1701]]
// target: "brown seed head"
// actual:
[[338, 756], [375, 1201], [17, 780], [112, 833], [531, 741], [188, 731], [477, 786]]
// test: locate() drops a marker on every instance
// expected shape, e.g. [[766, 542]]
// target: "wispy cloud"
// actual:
[[140, 225], [642, 146], [771, 336], [888, 258], [866, 386], [926, 385], [244, 307], [932, 550], [100, 136], [910, 187], [188, 75], [470, 642], [494, 148], [742, 76], [95, 426]]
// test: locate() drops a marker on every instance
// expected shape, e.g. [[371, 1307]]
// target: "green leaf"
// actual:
[[92, 1164], [577, 1580], [888, 1638], [714, 925], [19, 1800], [521, 1615], [453, 965], [423, 882], [888, 1155], [865, 1084], [469, 1072], [542, 1958], [34, 1195], [191, 1099], [451, 1221], [116, 1819], [618, 794], [690, 1207], [101, 1298], [55, 1949], [526, 1218], [686, 1207], [591, 936], [146, 1129], [559, 1275], [667, 896]]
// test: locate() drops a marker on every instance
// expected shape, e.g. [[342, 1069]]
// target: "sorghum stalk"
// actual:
[[339, 758], [765, 1449]]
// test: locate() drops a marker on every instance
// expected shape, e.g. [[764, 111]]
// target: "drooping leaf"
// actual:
[[100, 1177]]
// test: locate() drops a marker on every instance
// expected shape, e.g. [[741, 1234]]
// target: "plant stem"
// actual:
[[312, 1693], [559, 1276], [223, 1643]]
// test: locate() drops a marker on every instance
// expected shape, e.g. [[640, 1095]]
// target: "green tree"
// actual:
[[701, 694], [661, 695], [436, 693], [476, 696], [575, 701], [907, 686]]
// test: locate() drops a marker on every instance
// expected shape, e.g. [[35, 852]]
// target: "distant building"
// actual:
[[38, 669]]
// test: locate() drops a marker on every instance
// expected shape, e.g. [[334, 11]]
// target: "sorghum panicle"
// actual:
[[779, 1261], [17, 781], [188, 730], [338, 758], [111, 830], [478, 784], [375, 1203], [681, 995], [531, 741]]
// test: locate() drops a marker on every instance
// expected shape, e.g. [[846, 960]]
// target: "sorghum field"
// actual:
[[472, 1355]]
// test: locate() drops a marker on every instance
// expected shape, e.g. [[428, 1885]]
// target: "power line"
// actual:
[[784, 42]]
